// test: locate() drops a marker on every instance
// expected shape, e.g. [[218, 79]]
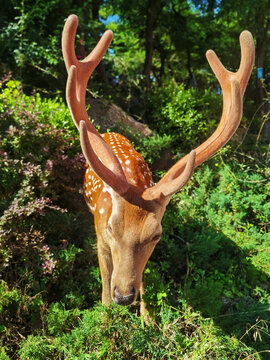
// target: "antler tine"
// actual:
[[68, 45], [247, 59], [78, 75], [74, 105], [68, 41], [87, 65], [245, 68], [233, 87]]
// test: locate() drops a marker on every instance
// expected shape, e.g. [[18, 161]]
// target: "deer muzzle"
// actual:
[[120, 299]]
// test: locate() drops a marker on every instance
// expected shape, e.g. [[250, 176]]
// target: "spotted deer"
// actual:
[[118, 186]]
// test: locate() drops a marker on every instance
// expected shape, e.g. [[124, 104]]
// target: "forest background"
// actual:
[[208, 278]]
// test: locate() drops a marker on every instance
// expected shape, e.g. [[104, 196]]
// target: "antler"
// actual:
[[99, 154], [84, 67], [78, 75], [233, 86]]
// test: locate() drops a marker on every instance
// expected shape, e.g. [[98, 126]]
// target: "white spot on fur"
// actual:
[[93, 208]]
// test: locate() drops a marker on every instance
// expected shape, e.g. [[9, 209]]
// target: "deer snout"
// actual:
[[120, 299]]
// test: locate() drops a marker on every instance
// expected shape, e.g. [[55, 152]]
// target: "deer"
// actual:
[[118, 187]]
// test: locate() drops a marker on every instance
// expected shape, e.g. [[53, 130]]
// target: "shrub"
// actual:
[[44, 224], [188, 115], [216, 244]]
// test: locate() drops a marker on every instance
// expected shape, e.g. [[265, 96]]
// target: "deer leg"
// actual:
[[106, 267]]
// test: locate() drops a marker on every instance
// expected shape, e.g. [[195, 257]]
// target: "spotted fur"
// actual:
[[135, 169]]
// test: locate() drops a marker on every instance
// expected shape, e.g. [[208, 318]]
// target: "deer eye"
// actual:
[[156, 238]]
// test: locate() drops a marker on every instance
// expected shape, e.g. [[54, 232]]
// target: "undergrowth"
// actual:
[[115, 333], [207, 280]]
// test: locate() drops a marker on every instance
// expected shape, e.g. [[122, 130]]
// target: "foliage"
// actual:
[[22, 45], [54, 111], [218, 246], [186, 114], [35, 56], [210, 268], [178, 33], [115, 333], [44, 222], [208, 279]]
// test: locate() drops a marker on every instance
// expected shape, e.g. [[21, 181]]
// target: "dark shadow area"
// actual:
[[208, 271]]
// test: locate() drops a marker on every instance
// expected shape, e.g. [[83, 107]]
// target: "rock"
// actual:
[[108, 115]]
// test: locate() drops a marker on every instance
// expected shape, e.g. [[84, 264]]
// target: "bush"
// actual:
[[44, 234], [216, 244], [188, 115]]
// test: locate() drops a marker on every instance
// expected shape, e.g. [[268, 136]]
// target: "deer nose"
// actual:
[[123, 299]]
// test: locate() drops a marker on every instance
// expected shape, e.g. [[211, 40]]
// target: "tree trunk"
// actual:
[[261, 39], [149, 40]]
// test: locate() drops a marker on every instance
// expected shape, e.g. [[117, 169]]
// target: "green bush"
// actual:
[[216, 244], [188, 115], [46, 238], [15, 104]]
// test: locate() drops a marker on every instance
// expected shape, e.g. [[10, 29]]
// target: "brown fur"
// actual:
[[127, 229]]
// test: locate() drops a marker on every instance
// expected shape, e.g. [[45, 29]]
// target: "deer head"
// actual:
[[118, 186]]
